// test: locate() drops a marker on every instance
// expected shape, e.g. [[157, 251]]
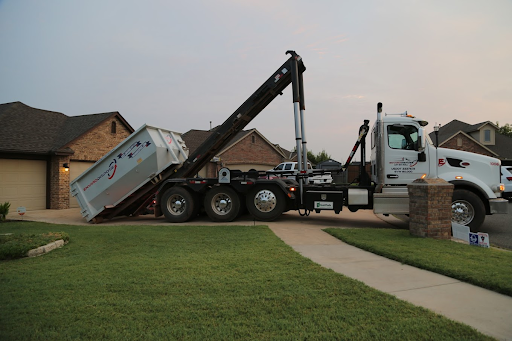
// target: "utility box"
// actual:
[[140, 158]]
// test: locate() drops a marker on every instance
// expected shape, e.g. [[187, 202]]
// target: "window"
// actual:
[[253, 139], [459, 141], [288, 166], [403, 137], [113, 127], [487, 135]]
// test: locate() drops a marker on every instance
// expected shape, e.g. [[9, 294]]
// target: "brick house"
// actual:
[[248, 150], [481, 138], [36, 145]]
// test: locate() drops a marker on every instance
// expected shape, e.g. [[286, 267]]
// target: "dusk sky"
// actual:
[[180, 64]]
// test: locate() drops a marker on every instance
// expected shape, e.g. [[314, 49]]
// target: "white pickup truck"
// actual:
[[290, 169]]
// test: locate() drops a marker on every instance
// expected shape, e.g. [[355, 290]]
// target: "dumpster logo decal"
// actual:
[[112, 167], [134, 149], [110, 172]]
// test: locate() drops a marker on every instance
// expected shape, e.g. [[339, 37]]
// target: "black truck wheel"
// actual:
[[467, 209], [178, 205], [222, 203], [266, 203]]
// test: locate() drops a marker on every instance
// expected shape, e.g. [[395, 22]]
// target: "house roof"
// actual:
[[289, 155], [28, 130], [193, 138], [502, 147]]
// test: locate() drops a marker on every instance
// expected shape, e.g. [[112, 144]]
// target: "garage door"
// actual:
[[75, 169], [23, 183]]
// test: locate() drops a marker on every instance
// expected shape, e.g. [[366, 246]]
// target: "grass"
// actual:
[[485, 267], [195, 283], [16, 245]]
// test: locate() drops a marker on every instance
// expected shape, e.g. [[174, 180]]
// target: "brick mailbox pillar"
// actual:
[[430, 208]]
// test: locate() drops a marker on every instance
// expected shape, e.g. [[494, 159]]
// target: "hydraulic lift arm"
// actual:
[[364, 179], [242, 116]]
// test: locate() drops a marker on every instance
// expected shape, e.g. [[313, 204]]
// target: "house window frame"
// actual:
[[113, 127], [487, 135]]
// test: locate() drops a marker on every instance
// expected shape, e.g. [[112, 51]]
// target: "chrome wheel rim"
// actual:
[[176, 204], [221, 204], [265, 200], [462, 212]]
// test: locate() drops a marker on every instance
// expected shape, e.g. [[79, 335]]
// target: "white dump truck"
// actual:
[[163, 172]]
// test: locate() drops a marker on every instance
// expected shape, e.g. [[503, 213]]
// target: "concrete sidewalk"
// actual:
[[487, 311]]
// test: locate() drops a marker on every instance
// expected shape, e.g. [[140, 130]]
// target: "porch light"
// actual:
[[66, 167]]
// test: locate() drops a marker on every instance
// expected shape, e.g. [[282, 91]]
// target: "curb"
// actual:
[[45, 248]]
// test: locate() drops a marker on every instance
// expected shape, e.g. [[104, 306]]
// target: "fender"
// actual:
[[479, 186], [475, 189]]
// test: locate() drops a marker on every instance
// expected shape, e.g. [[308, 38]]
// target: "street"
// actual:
[[499, 227]]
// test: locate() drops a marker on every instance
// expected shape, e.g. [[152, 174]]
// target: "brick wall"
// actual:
[[99, 141], [430, 208], [248, 152], [89, 147], [59, 183], [468, 145]]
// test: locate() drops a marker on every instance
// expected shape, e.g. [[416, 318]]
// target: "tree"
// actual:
[[505, 130], [316, 159]]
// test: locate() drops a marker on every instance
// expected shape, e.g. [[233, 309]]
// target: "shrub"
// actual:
[[4, 210]]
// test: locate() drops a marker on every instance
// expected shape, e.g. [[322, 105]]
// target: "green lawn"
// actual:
[[17, 245], [195, 283], [485, 267]]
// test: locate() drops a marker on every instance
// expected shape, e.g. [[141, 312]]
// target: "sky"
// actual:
[[180, 65]]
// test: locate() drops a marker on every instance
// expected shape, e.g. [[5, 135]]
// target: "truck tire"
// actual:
[[266, 203], [467, 209], [178, 205], [222, 203]]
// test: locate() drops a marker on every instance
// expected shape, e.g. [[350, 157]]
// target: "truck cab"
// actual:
[[401, 151]]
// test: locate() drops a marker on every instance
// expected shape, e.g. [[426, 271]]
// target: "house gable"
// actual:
[[86, 146], [487, 134], [464, 142], [248, 150], [252, 149], [462, 136]]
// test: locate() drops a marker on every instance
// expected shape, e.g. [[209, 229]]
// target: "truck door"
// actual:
[[401, 155]]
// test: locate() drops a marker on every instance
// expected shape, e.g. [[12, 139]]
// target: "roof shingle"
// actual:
[[24, 129], [502, 146]]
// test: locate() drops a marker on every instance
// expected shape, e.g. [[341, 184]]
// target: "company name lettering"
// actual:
[[111, 169]]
